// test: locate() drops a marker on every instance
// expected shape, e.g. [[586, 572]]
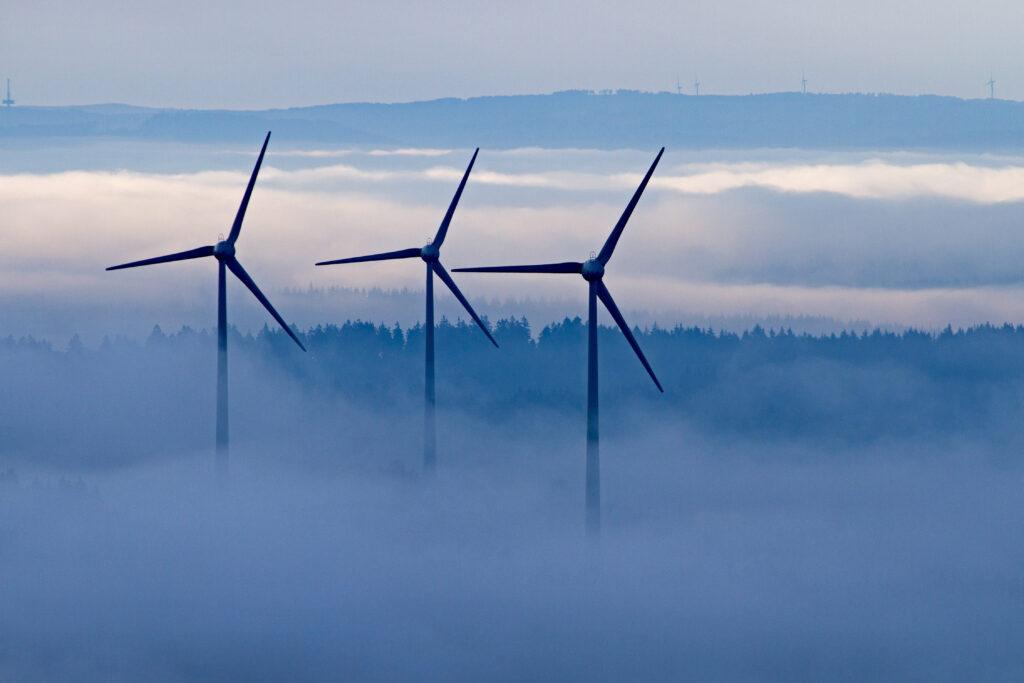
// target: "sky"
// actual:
[[216, 54]]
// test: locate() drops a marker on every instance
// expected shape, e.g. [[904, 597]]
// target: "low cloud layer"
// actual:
[[902, 239]]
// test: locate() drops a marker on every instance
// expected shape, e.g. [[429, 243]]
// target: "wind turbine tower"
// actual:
[[431, 257], [696, 86], [8, 102], [593, 271], [803, 84], [679, 87], [991, 88], [225, 254]]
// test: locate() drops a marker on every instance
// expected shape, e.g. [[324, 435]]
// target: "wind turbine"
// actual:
[[696, 86], [593, 272], [224, 252], [991, 87], [431, 256], [803, 84]]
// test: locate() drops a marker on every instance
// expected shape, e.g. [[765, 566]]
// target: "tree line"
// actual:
[[844, 388]]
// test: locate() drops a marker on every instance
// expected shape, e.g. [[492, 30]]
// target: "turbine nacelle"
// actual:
[[224, 250], [430, 252], [592, 270]]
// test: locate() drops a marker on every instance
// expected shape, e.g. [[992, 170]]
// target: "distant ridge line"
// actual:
[[575, 118]]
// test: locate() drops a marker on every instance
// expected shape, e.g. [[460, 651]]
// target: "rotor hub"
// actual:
[[592, 270], [224, 249], [430, 253]]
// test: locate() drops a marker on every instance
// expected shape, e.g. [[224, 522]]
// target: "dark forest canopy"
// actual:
[[837, 389], [606, 120]]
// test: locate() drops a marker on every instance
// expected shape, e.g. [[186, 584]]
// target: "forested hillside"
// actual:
[[843, 390]]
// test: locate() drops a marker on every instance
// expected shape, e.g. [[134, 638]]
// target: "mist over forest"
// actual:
[[828, 489], [837, 391], [794, 506]]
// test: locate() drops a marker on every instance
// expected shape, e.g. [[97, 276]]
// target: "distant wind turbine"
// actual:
[[224, 252], [696, 86], [803, 83], [593, 272], [431, 255], [991, 88]]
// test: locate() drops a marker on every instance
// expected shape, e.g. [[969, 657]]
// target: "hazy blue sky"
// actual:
[[260, 53]]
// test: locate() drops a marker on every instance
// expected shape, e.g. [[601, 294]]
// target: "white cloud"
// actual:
[[872, 179], [867, 179], [923, 242], [410, 152], [335, 153]]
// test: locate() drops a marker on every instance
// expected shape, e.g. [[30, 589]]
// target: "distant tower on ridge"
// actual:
[[696, 86], [7, 100], [991, 88], [803, 83]]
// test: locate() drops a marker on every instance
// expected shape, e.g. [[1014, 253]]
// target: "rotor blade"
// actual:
[[567, 267], [443, 229], [180, 256], [447, 279], [609, 303], [240, 273], [609, 245], [386, 256], [236, 227]]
